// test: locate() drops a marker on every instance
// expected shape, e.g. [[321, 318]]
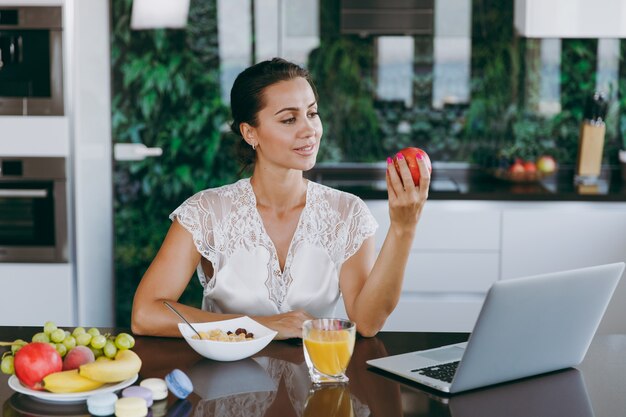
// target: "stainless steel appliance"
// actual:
[[31, 61], [33, 210]]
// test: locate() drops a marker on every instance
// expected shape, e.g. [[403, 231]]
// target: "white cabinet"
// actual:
[[462, 247], [547, 237], [454, 259], [35, 293]]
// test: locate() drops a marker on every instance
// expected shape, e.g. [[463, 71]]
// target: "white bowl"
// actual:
[[228, 351]]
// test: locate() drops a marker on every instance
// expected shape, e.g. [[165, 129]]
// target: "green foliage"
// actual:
[[165, 94], [341, 69]]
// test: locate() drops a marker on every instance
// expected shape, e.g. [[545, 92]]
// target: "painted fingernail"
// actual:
[[399, 156], [389, 161], [419, 156]]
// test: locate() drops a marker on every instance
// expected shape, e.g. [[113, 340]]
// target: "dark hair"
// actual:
[[246, 96]]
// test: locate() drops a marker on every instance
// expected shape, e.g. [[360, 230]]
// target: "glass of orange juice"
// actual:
[[328, 346]]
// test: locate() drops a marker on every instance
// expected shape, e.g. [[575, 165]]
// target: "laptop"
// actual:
[[527, 326]]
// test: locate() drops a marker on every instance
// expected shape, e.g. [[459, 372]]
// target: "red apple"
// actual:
[[546, 164], [410, 155], [517, 167], [35, 361], [530, 166]]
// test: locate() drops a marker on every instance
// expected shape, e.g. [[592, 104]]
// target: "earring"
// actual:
[[253, 146]]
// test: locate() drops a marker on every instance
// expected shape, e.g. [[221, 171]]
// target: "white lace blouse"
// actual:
[[228, 231]]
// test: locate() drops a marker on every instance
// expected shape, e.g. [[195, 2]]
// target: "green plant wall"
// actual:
[[165, 94]]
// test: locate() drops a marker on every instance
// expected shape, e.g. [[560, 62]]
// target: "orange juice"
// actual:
[[329, 350], [334, 401]]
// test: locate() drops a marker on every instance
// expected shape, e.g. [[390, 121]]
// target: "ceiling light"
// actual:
[[156, 14], [570, 18]]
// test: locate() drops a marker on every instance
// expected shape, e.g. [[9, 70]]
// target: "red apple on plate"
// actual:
[[517, 167], [529, 166], [546, 164], [35, 361], [410, 155]]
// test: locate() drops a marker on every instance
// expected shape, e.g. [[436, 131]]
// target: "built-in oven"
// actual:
[[33, 210], [31, 61]]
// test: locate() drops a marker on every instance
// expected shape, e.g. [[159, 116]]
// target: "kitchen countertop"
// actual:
[[275, 383], [462, 181]]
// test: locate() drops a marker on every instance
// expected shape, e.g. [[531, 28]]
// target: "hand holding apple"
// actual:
[[411, 155]]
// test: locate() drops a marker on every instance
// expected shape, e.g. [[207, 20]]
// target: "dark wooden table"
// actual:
[[275, 383]]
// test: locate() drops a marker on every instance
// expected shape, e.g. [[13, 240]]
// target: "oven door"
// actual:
[[33, 227]]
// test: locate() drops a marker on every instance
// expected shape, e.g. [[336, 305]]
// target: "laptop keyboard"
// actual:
[[444, 372]]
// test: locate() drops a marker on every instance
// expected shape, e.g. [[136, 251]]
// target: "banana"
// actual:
[[125, 365], [69, 381]]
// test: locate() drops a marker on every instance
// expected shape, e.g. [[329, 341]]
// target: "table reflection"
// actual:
[[276, 383]]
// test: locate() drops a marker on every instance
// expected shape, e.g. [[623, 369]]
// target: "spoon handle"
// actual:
[[181, 316]]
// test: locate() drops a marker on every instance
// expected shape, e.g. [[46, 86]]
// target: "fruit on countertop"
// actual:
[[35, 361], [546, 164], [126, 364], [72, 350], [517, 167], [410, 155], [80, 355], [530, 166], [69, 381]]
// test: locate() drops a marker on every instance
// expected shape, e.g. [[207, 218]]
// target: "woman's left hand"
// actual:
[[406, 199]]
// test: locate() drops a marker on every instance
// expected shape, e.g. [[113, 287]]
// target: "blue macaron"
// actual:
[[101, 404], [179, 383]]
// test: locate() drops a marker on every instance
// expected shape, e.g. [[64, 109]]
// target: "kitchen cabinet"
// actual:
[[34, 293], [540, 238], [462, 247]]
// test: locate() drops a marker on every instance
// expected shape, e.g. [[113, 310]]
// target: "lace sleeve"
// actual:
[[195, 216], [361, 225]]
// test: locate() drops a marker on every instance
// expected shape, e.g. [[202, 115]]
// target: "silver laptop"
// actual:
[[527, 326]]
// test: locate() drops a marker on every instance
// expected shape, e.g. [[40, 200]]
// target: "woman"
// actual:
[[277, 247]]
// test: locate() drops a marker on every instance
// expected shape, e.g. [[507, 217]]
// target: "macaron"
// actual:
[[179, 383], [138, 392], [157, 386], [101, 404], [131, 407]]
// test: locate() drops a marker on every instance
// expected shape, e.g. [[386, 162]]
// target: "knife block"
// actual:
[[590, 147]]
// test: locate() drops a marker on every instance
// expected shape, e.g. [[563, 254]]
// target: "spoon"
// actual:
[[181, 316]]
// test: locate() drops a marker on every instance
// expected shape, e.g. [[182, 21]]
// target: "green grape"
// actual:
[[61, 348], [109, 349], [49, 327], [77, 331], [17, 345], [122, 341], [96, 352], [98, 341], [57, 336], [131, 340], [41, 337], [93, 331], [70, 342], [67, 333], [83, 339], [7, 366]]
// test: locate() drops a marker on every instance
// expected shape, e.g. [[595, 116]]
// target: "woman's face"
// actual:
[[288, 128]]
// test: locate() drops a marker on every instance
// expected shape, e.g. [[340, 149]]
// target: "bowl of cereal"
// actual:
[[227, 340]]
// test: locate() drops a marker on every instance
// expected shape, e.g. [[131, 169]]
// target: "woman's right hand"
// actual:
[[288, 325]]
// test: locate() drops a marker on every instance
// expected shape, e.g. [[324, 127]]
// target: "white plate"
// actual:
[[16, 385], [228, 351]]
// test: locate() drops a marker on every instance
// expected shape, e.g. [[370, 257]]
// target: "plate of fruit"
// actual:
[[527, 171], [59, 366]]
